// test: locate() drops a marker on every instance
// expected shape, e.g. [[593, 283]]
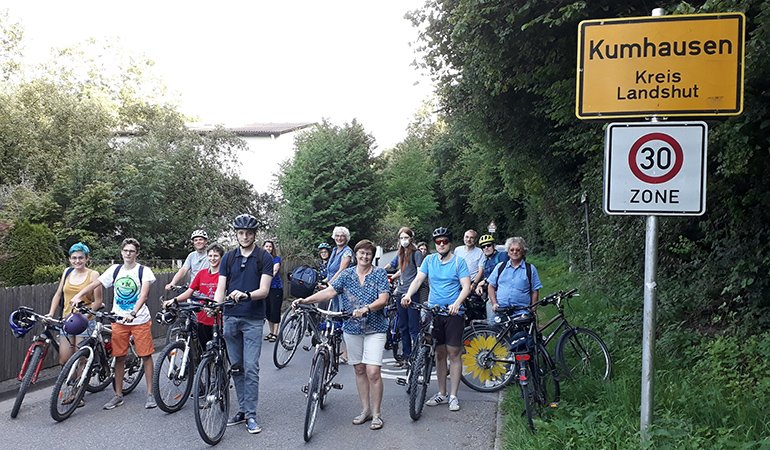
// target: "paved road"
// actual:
[[281, 412]]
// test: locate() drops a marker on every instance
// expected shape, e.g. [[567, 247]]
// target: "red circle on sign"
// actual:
[[678, 153]]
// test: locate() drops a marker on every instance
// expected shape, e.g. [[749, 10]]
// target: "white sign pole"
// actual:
[[650, 307]]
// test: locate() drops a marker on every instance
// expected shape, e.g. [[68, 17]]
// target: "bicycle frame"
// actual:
[[44, 339]]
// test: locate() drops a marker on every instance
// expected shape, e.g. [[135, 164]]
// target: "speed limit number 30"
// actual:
[[655, 168]]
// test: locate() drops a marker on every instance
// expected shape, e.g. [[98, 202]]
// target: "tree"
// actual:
[[25, 247], [330, 181]]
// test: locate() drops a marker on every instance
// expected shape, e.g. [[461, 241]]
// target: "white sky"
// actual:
[[237, 62]]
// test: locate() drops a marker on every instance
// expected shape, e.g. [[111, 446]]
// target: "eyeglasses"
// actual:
[[486, 245], [515, 249], [441, 241], [125, 250]]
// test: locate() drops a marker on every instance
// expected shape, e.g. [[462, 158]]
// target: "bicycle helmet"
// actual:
[[75, 323], [442, 232], [199, 233], [324, 245], [486, 239], [245, 222], [79, 247], [21, 322], [166, 316]]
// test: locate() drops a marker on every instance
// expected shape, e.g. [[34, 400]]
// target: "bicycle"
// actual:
[[211, 385], [173, 328], [295, 325], [37, 351], [575, 351], [92, 368], [393, 336], [325, 365], [422, 359], [178, 361], [514, 350]]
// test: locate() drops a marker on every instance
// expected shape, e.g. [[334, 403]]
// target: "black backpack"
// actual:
[[303, 281]]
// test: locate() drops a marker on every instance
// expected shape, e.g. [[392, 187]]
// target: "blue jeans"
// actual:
[[408, 325], [243, 336]]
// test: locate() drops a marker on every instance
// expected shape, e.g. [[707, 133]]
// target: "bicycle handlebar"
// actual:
[[325, 312]]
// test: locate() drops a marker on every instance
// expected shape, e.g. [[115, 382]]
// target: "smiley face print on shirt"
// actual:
[[126, 293]]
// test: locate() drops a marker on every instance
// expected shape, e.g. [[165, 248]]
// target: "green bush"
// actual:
[[27, 246]]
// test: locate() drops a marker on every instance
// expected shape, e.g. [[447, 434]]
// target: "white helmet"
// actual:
[[199, 233]]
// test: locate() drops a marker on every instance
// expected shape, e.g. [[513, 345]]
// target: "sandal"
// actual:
[[362, 418], [376, 423], [273, 338]]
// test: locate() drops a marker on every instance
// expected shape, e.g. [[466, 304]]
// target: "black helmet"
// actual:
[[166, 316], [442, 232], [245, 222]]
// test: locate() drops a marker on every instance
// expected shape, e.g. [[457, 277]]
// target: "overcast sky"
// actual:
[[259, 61]]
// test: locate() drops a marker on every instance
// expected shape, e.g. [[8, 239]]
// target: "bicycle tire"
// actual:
[[581, 352], [290, 335], [133, 369], [528, 395], [211, 400], [173, 330], [70, 386], [315, 391], [101, 377], [170, 386], [546, 381], [327, 370], [478, 373], [26, 381], [418, 383]]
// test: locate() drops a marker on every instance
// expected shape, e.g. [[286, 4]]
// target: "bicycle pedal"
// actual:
[[304, 389], [337, 386], [401, 381]]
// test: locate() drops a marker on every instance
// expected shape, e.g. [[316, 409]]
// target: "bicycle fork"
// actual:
[[25, 365]]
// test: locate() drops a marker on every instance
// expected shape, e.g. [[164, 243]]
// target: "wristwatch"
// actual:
[[133, 313]]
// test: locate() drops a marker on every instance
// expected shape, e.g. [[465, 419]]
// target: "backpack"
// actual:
[[119, 266], [258, 253], [66, 275], [303, 281], [527, 266]]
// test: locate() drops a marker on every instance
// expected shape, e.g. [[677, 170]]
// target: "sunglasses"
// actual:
[[441, 241], [486, 245]]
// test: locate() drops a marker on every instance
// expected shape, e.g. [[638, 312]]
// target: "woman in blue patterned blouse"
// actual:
[[365, 292]]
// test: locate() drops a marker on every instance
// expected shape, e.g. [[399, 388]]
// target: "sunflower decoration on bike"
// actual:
[[481, 351]]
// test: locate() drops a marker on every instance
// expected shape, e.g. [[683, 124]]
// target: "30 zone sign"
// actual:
[[655, 169]]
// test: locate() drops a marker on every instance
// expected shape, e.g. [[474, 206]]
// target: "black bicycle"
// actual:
[[578, 350], [92, 367], [37, 351], [325, 365], [211, 385], [177, 363], [393, 337], [295, 325]]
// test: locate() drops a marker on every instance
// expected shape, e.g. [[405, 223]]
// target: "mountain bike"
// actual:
[[578, 350], [393, 336], [211, 385], [422, 360], [325, 365], [92, 368], [178, 361], [295, 325], [515, 350], [173, 329], [36, 353]]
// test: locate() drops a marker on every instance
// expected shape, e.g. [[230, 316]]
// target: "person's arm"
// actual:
[[276, 268], [57, 296], [344, 263], [219, 295], [534, 295], [492, 292], [413, 287], [465, 282], [380, 303], [143, 294], [179, 275], [85, 291], [327, 293], [98, 292]]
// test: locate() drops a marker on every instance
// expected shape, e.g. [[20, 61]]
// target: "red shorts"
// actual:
[[142, 339]]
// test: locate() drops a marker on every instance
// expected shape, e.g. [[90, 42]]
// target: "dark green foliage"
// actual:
[[25, 247], [330, 181]]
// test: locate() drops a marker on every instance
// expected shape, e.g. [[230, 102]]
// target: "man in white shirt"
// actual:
[[473, 256]]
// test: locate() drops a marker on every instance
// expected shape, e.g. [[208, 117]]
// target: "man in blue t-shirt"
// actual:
[[450, 285], [245, 275], [509, 283]]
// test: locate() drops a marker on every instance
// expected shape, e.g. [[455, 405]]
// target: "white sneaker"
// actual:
[[454, 403], [438, 399]]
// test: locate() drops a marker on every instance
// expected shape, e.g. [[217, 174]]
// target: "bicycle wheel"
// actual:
[[480, 372], [132, 370], [528, 395], [171, 382], [315, 392], [547, 381], [211, 400], [70, 385], [418, 382], [582, 353], [34, 360], [290, 334], [101, 376]]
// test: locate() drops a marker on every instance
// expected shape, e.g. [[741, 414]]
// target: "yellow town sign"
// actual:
[[690, 65]]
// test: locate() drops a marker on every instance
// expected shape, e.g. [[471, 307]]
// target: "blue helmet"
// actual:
[[80, 247], [245, 222], [75, 323], [21, 322], [324, 245]]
